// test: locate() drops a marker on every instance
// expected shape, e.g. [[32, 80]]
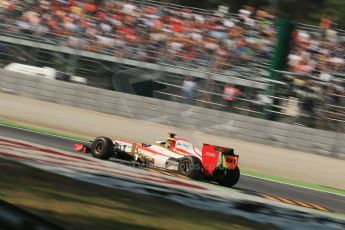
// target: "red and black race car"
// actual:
[[214, 163]]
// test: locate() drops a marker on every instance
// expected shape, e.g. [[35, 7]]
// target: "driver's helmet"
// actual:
[[172, 135]]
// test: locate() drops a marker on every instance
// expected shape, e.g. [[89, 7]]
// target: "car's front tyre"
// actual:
[[102, 148]]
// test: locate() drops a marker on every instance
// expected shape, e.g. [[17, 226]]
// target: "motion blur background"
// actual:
[[261, 76], [230, 57]]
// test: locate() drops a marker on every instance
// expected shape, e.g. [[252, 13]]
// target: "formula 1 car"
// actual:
[[214, 163]]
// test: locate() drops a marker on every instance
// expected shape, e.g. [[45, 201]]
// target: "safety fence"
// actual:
[[175, 114], [299, 99]]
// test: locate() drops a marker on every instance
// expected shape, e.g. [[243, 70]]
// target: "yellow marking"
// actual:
[[166, 173], [304, 204], [287, 201], [320, 208], [270, 197], [152, 170], [293, 202]]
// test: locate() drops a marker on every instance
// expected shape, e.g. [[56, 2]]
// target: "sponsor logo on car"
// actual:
[[210, 154]]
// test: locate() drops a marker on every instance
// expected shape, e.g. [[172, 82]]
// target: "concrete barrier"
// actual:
[[175, 114]]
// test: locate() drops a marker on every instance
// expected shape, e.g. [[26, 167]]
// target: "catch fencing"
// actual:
[[175, 114]]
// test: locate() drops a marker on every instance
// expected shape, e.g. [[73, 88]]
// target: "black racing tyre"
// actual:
[[102, 148], [229, 178], [190, 166]]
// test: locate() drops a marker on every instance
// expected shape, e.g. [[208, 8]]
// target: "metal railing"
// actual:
[[201, 97], [316, 104], [284, 108]]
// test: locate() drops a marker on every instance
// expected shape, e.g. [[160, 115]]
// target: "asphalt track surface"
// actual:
[[246, 184]]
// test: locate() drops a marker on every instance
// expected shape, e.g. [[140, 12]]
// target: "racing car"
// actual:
[[213, 163]]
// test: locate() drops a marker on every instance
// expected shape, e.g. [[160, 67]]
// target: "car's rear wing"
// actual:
[[214, 156]]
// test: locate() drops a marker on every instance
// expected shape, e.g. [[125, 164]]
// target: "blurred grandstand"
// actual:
[[316, 79], [109, 42]]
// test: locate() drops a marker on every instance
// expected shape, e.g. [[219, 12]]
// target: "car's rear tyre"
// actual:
[[102, 148], [190, 166], [228, 177]]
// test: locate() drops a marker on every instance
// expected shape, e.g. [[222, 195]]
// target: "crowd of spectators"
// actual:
[[148, 32], [162, 33], [319, 52], [318, 59]]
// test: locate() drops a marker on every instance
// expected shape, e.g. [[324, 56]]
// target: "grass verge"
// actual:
[[78, 205], [243, 171]]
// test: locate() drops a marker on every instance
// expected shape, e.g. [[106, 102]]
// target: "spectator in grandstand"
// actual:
[[261, 101], [318, 55], [336, 92], [230, 95], [337, 62], [294, 58], [310, 100], [189, 88], [325, 76], [325, 22], [316, 51], [291, 108], [245, 13], [152, 33]]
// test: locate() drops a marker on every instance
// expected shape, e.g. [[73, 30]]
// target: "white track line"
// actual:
[[42, 132], [295, 185]]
